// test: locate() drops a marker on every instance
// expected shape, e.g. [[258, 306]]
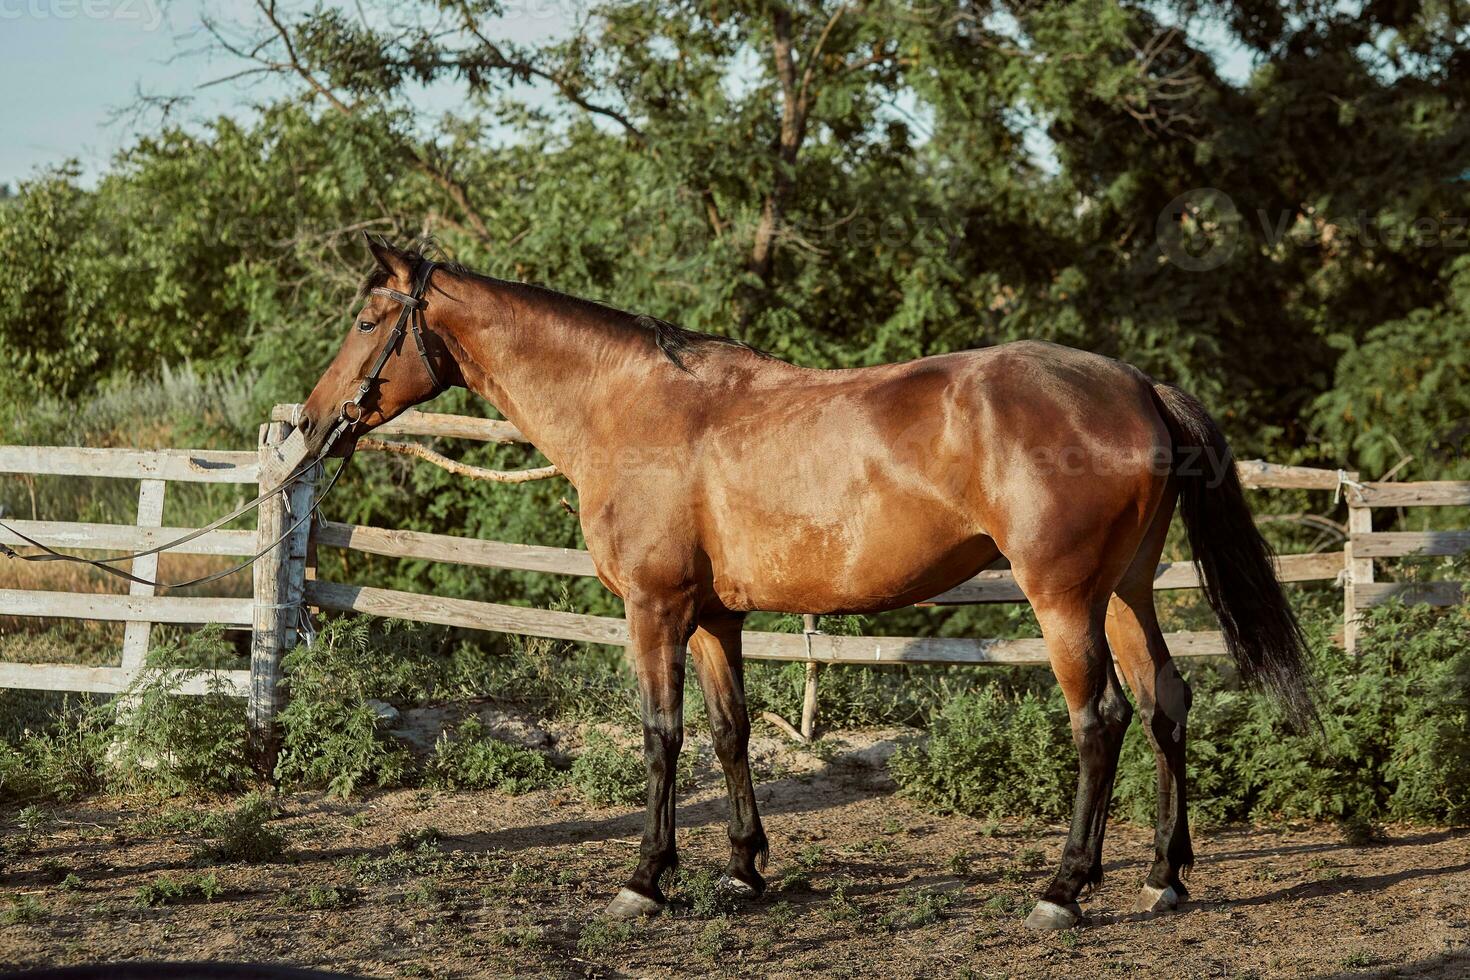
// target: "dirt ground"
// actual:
[[862, 884]]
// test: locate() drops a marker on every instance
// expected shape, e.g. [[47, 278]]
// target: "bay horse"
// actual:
[[715, 480]]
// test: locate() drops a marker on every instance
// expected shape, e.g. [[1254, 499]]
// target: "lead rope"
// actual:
[[51, 554], [1343, 480]]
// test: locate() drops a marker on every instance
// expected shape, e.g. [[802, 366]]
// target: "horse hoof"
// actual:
[[735, 888], [630, 905], [1051, 917], [1152, 899]]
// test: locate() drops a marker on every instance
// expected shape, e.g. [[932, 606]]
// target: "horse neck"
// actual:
[[555, 367]]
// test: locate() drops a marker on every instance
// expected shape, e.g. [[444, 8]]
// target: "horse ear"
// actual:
[[389, 258]]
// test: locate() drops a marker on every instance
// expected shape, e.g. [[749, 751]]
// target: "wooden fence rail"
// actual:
[[283, 590]]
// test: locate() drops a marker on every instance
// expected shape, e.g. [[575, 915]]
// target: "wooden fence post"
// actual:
[[1357, 571], [135, 635], [280, 590], [813, 671]]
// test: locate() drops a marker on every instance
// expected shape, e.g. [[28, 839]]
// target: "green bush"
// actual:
[[1395, 746], [242, 834], [607, 775], [60, 763], [331, 736], [166, 890], [992, 752], [178, 742], [473, 759]]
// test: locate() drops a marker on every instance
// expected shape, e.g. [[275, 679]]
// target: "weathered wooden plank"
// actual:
[[150, 514], [416, 423], [102, 680], [468, 613], [448, 548], [1426, 493], [757, 645], [1427, 593], [80, 536], [125, 608], [1257, 474], [1400, 544], [1000, 585], [185, 465]]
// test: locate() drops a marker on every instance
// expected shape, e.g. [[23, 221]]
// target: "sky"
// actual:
[[72, 70]]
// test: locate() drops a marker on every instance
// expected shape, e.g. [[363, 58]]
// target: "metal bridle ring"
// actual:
[[347, 417]]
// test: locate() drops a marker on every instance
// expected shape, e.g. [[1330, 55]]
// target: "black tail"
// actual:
[[1261, 632]]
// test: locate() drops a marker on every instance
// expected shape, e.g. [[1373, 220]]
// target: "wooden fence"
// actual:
[[284, 585]]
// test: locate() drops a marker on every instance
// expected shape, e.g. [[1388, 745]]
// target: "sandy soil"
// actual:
[[863, 884]]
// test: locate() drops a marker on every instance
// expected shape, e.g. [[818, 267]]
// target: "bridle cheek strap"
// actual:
[[410, 320]]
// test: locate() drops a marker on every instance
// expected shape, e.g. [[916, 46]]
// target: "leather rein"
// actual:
[[410, 319]]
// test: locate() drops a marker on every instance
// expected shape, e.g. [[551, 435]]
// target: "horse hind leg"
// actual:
[[1072, 624], [715, 650], [1163, 705]]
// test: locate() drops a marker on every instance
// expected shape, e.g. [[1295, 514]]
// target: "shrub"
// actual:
[[607, 775], [331, 736], [1395, 745], [242, 834], [165, 890], [473, 759], [180, 742], [991, 752], [62, 763]]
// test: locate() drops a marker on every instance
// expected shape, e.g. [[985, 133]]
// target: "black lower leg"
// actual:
[[1173, 851], [748, 844], [1097, 729], [661, 744]]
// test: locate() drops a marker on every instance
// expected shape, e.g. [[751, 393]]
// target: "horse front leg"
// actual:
[[658, 628]]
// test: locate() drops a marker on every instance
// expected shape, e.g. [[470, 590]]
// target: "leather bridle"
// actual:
[[410, 319]]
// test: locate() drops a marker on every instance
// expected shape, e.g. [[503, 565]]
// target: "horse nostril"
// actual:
[[305, 426]]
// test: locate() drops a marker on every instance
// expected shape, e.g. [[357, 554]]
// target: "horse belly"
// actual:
[[866, 561]]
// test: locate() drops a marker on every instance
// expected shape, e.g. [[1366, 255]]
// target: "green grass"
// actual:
[[167, 890], [23, 910], [602, 936], [916, 908]]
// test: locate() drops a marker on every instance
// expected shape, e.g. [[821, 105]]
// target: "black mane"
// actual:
[[671, 339]]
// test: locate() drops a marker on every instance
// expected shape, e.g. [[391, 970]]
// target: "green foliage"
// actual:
[[1396, 745], [916, 908], [167, 890], [242, 834], [331, 736], [1404, 391], [178, 742], [63, 762], [471, 758], [607, 775], [23, 910], [325, 897], [992, 752], [602, 936]]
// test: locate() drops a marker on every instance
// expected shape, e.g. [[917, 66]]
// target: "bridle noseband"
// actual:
[[410, 319]]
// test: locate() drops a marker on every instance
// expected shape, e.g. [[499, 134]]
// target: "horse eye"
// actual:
[[366, 326]]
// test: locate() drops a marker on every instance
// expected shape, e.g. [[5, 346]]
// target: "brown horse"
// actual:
[[715, 480]]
